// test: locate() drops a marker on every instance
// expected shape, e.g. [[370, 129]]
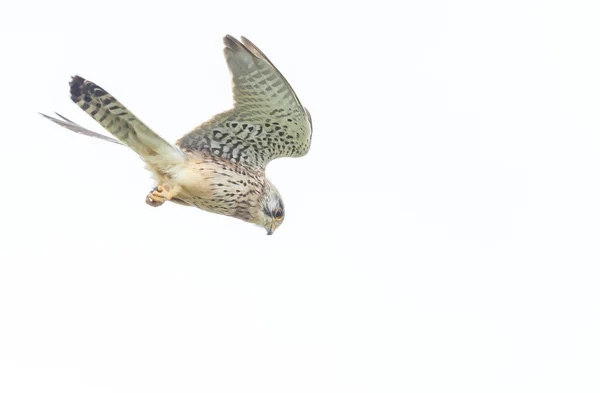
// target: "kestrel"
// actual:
[[220, 165]]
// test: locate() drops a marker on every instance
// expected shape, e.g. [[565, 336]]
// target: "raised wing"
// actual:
[[267, 120]]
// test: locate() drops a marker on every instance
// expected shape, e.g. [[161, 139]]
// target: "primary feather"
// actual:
[[68, 124]]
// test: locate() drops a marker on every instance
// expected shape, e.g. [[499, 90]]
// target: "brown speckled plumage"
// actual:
[[220, 165], [221, 186]]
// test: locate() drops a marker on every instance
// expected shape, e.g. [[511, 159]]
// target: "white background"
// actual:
[[441, 235]]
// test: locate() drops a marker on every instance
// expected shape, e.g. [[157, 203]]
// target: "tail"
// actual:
[[123, 124]]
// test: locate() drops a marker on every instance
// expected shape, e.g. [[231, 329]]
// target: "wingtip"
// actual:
[[249, 45], [232, 43], [64, 118], [246, 40], [68, 124]]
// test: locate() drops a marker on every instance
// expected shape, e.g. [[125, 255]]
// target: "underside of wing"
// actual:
[[267, 120]]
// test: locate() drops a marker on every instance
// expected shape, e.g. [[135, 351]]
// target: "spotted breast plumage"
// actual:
[[219, 166]]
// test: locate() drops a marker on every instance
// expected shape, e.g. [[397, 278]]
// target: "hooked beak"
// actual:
[[271, 230]]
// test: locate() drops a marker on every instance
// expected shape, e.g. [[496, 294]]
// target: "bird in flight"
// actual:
[[220, 165]]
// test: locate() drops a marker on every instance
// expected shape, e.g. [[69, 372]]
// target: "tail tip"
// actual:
[[76, 85]]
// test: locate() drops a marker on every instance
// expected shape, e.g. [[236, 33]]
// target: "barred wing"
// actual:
[[267, 120]]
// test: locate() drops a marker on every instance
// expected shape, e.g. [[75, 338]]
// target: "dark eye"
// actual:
[[278, 214]]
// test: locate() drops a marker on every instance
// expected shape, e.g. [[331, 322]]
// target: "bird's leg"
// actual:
[[160, 194], [173, 192], [157, 197]]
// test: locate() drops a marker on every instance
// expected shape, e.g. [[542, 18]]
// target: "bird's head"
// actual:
[[272, 211]]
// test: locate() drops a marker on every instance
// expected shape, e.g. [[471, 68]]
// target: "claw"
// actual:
[[160, 194], [157, 196]]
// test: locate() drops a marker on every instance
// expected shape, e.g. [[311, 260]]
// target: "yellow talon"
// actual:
[[156, 197]]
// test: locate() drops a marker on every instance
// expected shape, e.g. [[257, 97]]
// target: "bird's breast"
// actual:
[[221, 186]]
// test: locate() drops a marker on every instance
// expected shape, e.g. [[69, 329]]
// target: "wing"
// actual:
[[267, 120], [68, 124]]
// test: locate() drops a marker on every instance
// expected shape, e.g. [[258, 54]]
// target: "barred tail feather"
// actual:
[[123, 124]]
